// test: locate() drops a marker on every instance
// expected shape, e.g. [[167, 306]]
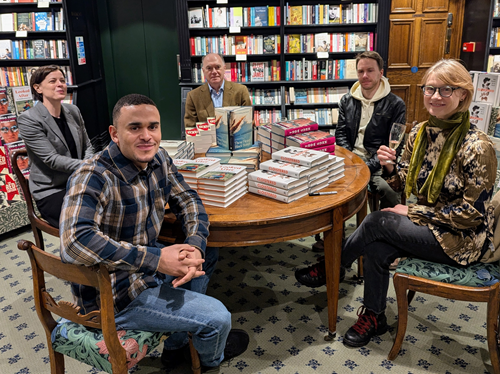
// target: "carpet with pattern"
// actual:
[[287, 322]]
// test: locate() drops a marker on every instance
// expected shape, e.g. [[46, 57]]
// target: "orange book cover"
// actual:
[[241, 44]]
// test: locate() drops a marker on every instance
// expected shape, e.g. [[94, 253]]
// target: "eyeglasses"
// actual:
[[6, 129], [4, 101], [445, 91], [210, 67]]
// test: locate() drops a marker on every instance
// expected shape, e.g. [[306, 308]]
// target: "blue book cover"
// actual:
[[300, 96], [260, 16], [234, 127], [42, 21]]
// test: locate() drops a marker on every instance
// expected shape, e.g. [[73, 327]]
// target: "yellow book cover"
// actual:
[[321, 14], [296, 15], [294, 43], [271, 16]]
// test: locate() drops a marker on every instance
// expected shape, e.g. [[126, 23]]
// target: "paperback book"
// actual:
[[23, 99]]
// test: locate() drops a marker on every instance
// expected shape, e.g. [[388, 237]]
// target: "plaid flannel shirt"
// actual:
[[112, 213]]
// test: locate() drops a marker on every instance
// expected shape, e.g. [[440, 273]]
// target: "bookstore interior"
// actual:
[[296, 58]]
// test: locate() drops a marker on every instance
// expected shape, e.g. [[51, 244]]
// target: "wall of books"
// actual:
[[275, 47]]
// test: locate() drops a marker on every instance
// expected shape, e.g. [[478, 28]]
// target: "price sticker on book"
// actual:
[[322, 55], [241, 57], [21, 34], [221, 1], [43, 4], [234, 29]]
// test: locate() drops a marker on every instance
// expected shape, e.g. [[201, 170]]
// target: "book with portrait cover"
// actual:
[[322, 42], [487, 88], [301, 156], [219, 17], [312, 139], [294, 126], [234, 127], [195, 18], [480, 115]]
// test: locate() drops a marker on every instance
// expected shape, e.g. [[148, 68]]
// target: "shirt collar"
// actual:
[[127, 168], [212, 91]]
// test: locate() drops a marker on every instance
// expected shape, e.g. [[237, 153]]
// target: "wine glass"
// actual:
[[397, 134]]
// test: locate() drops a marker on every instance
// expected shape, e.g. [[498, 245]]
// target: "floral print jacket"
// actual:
[[462, 219]]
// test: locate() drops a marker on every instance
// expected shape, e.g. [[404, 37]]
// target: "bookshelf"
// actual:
[[312, 26]]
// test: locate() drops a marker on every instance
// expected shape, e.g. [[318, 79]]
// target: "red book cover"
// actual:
[[241, 44], [193, 49], [312, 139], [278, 16], [315, 70]]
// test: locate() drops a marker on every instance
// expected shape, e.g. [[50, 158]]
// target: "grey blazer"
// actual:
[[49, 155]]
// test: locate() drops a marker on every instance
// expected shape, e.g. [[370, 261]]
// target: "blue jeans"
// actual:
[[182, 310], [380, 239]]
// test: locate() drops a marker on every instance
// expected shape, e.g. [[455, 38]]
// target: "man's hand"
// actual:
[[182, 261], [385, 154], [398, 209]]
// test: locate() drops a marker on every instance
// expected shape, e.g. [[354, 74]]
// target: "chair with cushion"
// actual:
[[90, 338], [475, 283], [38, 225]]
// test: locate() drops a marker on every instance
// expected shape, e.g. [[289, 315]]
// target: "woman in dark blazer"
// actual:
[[55, 138]]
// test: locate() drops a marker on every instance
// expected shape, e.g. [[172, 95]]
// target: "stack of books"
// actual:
[[178, 148], [191, 170], [295, 172], [300, 132], [248, 157], [223, 185]]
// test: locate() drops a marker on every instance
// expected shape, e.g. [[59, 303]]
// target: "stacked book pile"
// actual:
[[295, 172], [192, 169], [223, 185], [178, 148], [300, 132], [247, 157], [202, 135]]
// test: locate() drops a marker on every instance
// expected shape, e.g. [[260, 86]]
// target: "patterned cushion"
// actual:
[[87, 344], [476, 275]]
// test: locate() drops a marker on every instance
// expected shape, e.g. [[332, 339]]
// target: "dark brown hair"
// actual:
[[39, 75], [128, 100], [373, 55]]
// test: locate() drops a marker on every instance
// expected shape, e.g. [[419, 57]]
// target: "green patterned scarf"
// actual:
[[460, 125]]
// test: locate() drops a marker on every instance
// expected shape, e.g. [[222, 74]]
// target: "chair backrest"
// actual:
[[38, 225], [97, 277]]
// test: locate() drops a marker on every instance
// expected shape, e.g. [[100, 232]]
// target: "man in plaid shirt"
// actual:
[[112, 213]]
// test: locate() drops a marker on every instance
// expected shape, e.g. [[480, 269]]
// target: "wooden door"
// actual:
[[421, 33]]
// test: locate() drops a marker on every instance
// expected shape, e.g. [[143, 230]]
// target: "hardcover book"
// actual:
[[275, 196], [276, 190], [480, 115], [334, 15], [24, 22], [241, 44], [294, 126], [226, 203], [312, 139], [294, 43], [269, 44], [261, 16], [286, 168], [275, 179], [195, 18], [220, 17], [43, 21], [253, 151], [322, 42], [301, 156], [197, 167], [234, 127], [223, 175], [219, 190], [487, 88], [23, 98], [296, 15]]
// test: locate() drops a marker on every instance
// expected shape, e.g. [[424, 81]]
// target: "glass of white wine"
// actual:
[[397, 134]]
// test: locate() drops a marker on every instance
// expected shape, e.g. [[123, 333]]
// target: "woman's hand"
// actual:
[[385, 154], [398, 209]]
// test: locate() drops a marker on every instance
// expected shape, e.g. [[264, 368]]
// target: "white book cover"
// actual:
[[225, 204], [480, 115], [223, 175], [322, 42], [487, 88], [286, 168], [280, 191], [301, 156], [275, 196], [220, 17], [195, 18], [173, 144], [275, 179]]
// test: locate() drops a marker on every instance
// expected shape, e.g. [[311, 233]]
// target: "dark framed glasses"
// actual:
[[4, 101], [6, 129], [445, 91]]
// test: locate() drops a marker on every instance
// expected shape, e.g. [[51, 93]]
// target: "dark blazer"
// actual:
[[199, 103], [49, 155]]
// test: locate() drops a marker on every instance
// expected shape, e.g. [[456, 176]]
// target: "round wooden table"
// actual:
[[256, 220]]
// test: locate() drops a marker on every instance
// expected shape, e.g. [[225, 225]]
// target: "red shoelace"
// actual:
[[365, 321]]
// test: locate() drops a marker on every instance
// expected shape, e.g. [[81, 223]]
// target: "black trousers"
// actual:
[[50, 207]]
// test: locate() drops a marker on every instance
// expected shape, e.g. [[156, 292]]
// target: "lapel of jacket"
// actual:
[[50, 123], [207, 100], [227, 98], [73, 127]]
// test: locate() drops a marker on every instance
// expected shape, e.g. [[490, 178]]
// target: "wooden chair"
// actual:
[[38, 225], [90, 338], [451, 282]]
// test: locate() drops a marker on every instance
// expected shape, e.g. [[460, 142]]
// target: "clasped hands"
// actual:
[[182, 261]]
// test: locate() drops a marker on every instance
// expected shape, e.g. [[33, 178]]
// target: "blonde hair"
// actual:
[[453, 73]]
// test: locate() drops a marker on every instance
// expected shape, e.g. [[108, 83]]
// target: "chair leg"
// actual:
[[56, 360], [411, 294], [401, 286], [360, 269], [195, 358], [493, 333]]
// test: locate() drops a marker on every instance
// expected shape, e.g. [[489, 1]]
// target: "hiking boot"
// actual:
[[236, 343], [369, 325], [174, 357], [315, 275]]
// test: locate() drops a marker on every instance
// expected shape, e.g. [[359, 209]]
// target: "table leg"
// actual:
[[333, 252]]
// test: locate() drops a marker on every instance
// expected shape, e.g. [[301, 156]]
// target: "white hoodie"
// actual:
[[367, 106]]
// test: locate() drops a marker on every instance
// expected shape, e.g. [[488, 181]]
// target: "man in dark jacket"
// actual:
[[366, 115]]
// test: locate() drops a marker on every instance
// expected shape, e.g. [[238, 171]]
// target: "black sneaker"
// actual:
[[369, 325], [174, 357], [236, 343], [315, 275]]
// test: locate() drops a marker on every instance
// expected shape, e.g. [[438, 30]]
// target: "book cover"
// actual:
[[257, 71], [39, 48], [300, 96], [360, 41], [223, 175], [487, 88], [5, 49], [286, 168], [294, 126], [23, 98], [276, 190], [197, 167], [220, 17], [241, 128], [9, 187], [269, 44], [24, 22], [195, 17], [322, 42], [275, 196], [350, 69], [9, 130], [494, 120], [334, 15], [237, 20], [276, 179], [296, 15], [43, 21], [480, 115], [261, 16], [301, 156], [241, 44], [312, 139], [252, 151], [294, 43]]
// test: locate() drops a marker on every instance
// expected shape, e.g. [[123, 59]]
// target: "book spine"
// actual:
[[318, 143], [300, 130], [267, 187], [268, 194], [274, 183]]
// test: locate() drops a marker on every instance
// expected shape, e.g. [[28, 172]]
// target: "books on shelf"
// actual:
[[487, 88], [301, 156], [197, 167], [333, 42], [234, 127], [323, 14]]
